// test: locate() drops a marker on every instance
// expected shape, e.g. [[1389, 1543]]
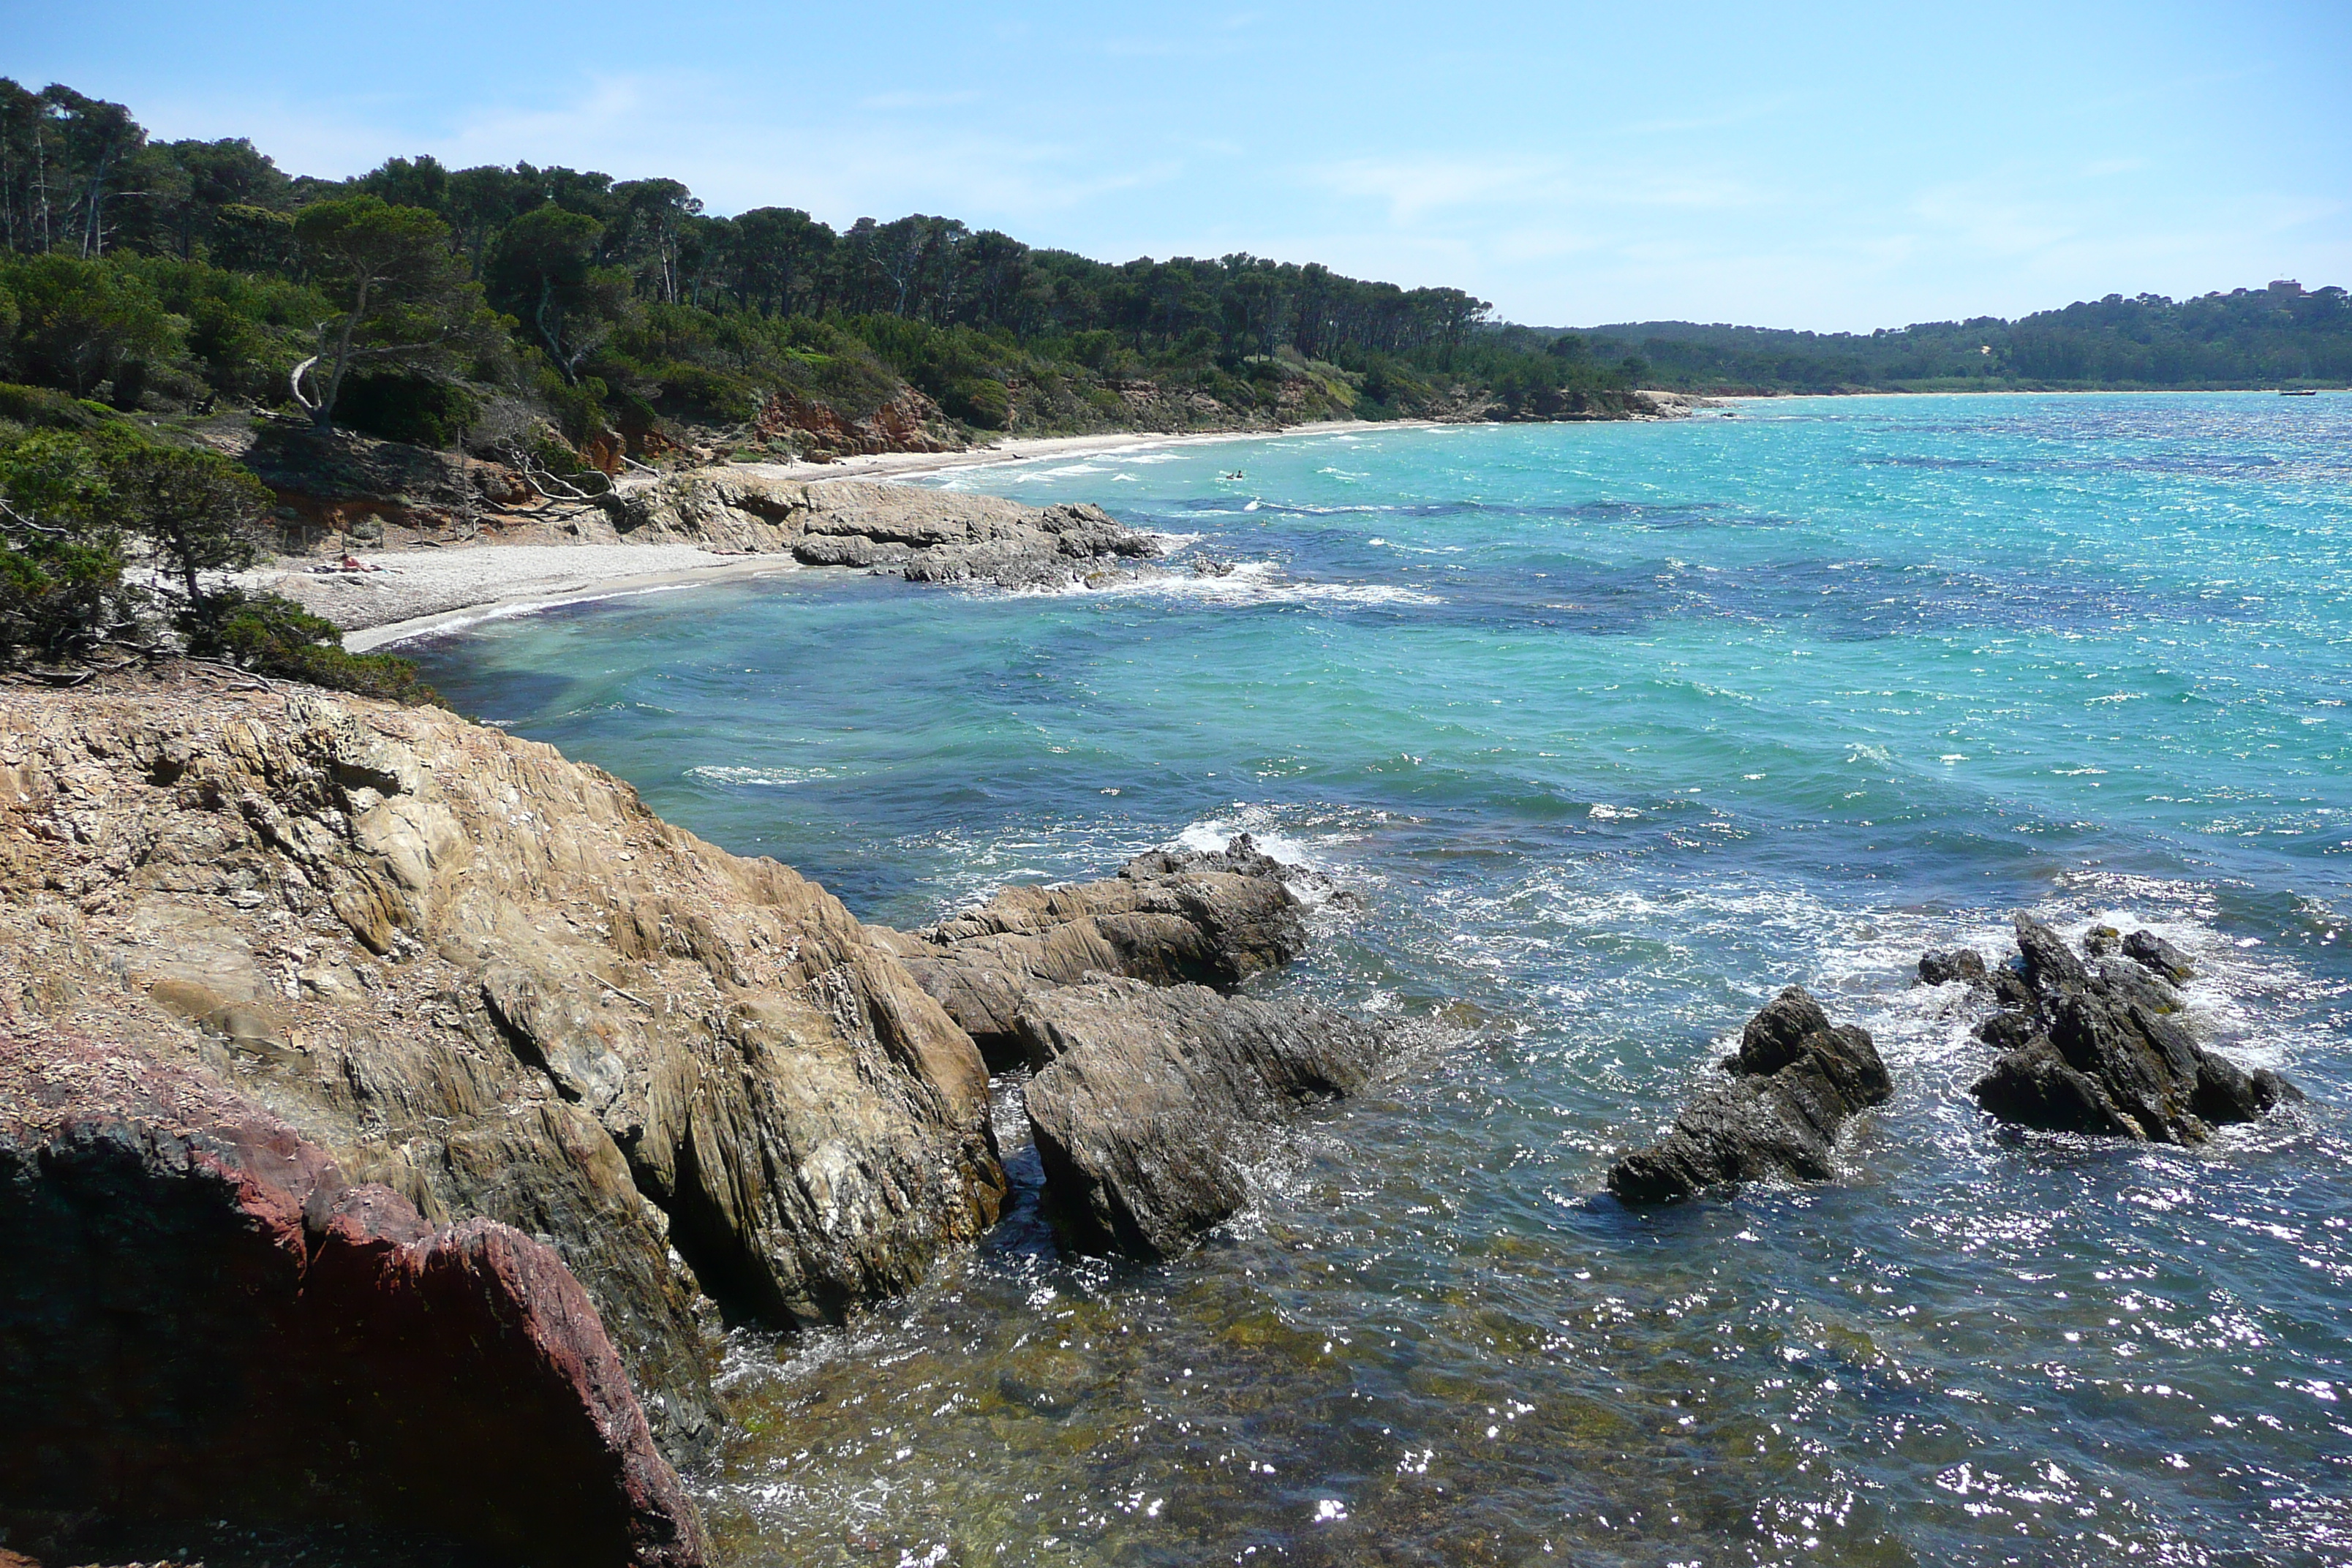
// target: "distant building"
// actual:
[[2285, 286]]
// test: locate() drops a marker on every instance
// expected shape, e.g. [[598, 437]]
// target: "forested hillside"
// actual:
[[2282, 335], [436, 306]]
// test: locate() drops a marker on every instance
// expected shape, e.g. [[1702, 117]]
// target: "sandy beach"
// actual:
[[423, 592]]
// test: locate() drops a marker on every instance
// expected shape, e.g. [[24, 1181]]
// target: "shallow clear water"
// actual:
[[1618, 729]]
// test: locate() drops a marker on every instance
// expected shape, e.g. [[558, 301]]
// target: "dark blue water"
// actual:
[[1618, 729]]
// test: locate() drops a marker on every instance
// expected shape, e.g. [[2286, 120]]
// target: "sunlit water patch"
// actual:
[[1614, 729]]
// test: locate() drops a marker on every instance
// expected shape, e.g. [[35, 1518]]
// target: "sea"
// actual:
[[1610, 731]]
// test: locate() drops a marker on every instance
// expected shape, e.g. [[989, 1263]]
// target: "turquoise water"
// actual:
[[1617, 729]]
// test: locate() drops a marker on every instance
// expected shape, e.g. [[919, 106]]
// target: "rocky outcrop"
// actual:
[[908, 421], [922, 535], [1170, 917], [1151, 1085], [490, 980], [1794, 1082], [1147, 1098], [200, 1317], [2098, 1048]]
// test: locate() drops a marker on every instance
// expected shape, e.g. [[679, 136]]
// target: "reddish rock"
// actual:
[[200, 1320]]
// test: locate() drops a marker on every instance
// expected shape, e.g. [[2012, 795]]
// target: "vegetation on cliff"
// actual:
[[113, 543], [429, 305]]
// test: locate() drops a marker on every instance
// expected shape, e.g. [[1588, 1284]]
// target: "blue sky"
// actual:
[[1824, 166]]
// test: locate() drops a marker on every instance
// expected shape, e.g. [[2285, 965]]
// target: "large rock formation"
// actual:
[[922, 535], [2096, 1047], [1794, 1082], [1148, 1081], [1146, 1097], [1170, 917], [201, 1317], [492, 981]]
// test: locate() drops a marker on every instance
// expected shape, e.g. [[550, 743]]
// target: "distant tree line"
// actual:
[[167, 273], [2280, 335]]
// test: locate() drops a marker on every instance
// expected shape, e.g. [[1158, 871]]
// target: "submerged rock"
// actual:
[[1794, 1082], [1170, 917], [2097, 1050], [200, 1317], [1145, 1098]]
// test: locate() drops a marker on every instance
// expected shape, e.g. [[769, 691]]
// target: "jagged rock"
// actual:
[[922, 535], [1942, 968], [201, 1317], [1795, 1081], [2154, 952], [2102, 942], [491, 980], [1145, 1098], [2098, 1050], [1168, 917]]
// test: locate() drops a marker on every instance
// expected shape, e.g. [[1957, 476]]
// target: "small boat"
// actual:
[[2297, 392]]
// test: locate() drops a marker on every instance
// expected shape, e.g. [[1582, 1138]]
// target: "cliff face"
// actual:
[[490, 980]]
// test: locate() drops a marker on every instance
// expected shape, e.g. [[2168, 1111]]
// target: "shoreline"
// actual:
[[526, 578]]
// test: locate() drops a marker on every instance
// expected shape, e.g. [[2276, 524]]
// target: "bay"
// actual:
[[1616, 729]]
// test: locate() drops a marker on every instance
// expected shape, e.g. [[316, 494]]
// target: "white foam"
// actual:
[[762, 778], [1249, 582]]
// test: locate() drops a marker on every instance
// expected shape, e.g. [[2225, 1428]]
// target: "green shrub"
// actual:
[[976, 400], [272, 635], [39, 409]]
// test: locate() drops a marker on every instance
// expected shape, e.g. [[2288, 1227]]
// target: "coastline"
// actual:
[[423, 592]]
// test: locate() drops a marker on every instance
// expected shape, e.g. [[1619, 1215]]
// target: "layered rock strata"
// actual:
[[200, 1317], [1794, 1082], [490, 980], [2096, 1045], [1146, 1099]]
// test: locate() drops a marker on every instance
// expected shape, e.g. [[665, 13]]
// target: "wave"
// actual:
[[763, 778]]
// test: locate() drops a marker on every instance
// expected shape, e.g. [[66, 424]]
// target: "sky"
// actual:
[[1819, 166]]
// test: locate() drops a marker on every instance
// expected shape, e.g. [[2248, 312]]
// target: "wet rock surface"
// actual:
[[1146, 1097], [922, 535], [2097, 1047], [201, 1316], [491, 981], [1794, 1082], [1168, 917]]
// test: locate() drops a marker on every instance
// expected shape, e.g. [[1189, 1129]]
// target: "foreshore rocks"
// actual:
[[452, 1068], [1170, 917], [200, 1317], [2096, 1046], [491, 981], [1794, 1082], [922, 535], [1146, 1099], [1149, 1082]]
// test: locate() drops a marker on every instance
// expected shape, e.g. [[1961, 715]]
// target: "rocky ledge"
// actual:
[[1794, 1082], [465, 969], [922, 535], [406, 1082], [1151, 1079], [2093, 1044]]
